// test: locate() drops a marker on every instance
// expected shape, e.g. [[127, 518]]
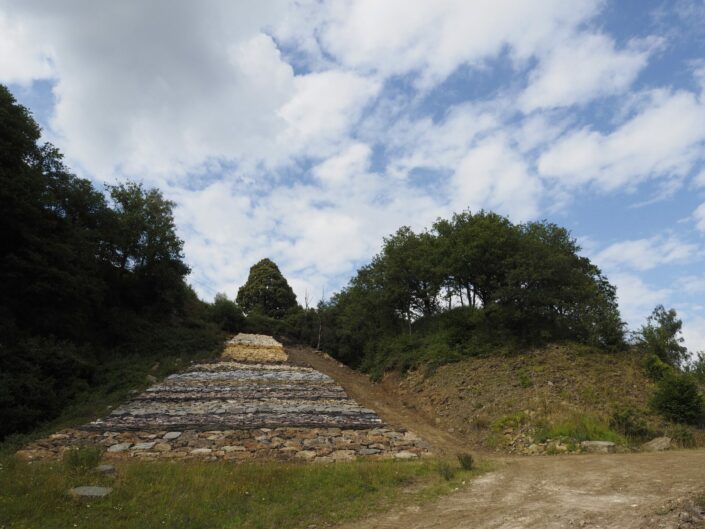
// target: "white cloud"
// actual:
[[645, 254], [664, 139], [23, 57], [636, 298], [493, 175], [434, 38], [699, 216], [694, 333], [581, 68]]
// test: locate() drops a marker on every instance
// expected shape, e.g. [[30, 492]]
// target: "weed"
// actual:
[[513, 420], [577, 428], [681, 435], [525, 380], [466, 461], [480, 422], [83, 459], [445, 470], [630, 423]]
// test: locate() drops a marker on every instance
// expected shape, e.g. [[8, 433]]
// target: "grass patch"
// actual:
[[198, 495], [577, 428], [513, 420]]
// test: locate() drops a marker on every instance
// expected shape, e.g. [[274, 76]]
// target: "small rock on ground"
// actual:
[[90, 491], [105, 469]]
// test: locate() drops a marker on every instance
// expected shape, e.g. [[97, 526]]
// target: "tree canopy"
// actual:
[[474, 278], [81, 271], [266, 291]]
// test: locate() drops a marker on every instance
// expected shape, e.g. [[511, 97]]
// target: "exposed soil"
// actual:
[[644, 490]]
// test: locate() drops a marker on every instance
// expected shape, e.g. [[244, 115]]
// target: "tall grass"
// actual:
[[578, 427]]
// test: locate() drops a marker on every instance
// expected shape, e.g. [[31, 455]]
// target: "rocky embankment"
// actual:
[[240, 410]]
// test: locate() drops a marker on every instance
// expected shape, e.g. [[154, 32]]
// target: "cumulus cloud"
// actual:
[[493, 175], [582, 68], [305, 131], [646, 254], [24, 59], [663, 139], [432, 39], [636, 298]]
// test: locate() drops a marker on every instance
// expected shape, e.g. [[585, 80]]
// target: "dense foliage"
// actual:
[[266, 291], [661, 337], [471, 284], [86, 278], [679, 399]]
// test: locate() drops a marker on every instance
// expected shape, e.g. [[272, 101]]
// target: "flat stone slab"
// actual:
[[90, 491], [599, 447], [105, 469]]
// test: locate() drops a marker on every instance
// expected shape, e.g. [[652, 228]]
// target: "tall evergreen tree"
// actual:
[[266, 291]]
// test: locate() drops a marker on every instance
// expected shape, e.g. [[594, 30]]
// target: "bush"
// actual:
[[678, 399], [514, 420], [446, 471], [579, 427], [656, 368], [466, 461], [681, 435], [630, 423], [83, 459]]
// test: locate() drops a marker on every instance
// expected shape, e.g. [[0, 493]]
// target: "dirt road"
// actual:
[[611, 491]]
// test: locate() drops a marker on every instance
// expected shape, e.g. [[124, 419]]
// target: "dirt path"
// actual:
[[612, 491]]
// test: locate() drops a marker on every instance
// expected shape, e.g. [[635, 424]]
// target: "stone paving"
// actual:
[[240, 410]]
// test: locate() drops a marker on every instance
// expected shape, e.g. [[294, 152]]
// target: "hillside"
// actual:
[[553, 398]]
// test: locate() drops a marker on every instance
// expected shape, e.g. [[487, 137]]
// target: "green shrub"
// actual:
[[678, 399], [83, 459], [630, 423], [656, 368], [513, 420], [579, 427], [466, 461], [446, 471], [681, 435]]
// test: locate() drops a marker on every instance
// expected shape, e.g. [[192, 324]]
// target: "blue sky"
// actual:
[[306, 131]]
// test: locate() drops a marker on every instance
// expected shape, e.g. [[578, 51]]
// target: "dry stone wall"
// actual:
[[239, 411]]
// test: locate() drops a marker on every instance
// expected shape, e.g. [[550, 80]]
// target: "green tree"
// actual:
[[144, 248], [678, 398], [226, 314], [266, 291], [662, 336]]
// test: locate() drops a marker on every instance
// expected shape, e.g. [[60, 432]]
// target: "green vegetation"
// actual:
[[205, 495], [661, 337], [513, 420], [82, 460], [681, 435], [466, 461], [631, 423], [678, 398], [475, 284], [93, 284], [266, 291], [579, 427]]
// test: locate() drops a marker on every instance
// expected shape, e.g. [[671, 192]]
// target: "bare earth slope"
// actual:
[[597, 491]]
